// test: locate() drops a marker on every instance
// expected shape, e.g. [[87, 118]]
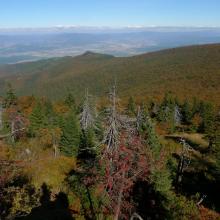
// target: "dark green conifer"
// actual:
[[166, 109], [214, 136], [70, 101], [70, 135], [10, 98], [131, 108], [37, 119], [87, 148], [186, 112], [207, 114], [146, 129]]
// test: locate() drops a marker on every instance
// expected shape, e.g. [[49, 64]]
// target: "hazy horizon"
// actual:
[[33, 30], [19, 45]]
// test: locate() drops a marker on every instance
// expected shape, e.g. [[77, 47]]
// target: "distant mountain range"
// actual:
[[30, 44], [188, 72]]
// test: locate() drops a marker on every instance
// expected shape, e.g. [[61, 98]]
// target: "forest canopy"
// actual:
[[119, 160]]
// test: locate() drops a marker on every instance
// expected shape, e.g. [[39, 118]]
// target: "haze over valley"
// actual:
[[28, 44]]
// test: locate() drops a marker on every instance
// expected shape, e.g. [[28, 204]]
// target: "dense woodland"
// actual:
[[186, 71], [82, 160]]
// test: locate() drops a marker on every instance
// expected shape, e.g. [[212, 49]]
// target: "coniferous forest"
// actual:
[[79, 158]]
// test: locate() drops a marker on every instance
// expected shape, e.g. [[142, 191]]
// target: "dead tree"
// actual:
[[201, 200], [184, 160], [111, 135], [13, 133], [123, 167], [1, 117], [87, 119], [135, 216], [55, 142], [18, 125], [139, 119], [177, 115], [124, 158]]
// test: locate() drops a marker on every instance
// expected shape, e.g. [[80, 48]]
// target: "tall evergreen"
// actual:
[[214, 136], [207, 114], [37, 119], [147, 130], [186, 112], [70, 137], [195, 106], [131, 108], [87, 147], [1, 117], [10, 98], [70, 101], [166, 109], [168, 112], [151, 136]]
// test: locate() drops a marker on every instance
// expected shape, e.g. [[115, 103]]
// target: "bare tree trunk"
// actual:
[[87, 119], [11, 134], [179, 171], [13, 131], [112, 133], [135, 216], [90, 203], [184, 161], [1, 120], [55, 150], [55, 145], [118, 207], [201, 200]]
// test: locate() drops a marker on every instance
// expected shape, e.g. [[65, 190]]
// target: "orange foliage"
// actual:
[[48, 136], [207, 214], [196, 120], [26, 104], [60, 107]]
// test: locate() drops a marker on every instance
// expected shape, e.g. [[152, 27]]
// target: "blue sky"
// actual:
[[115, 13]]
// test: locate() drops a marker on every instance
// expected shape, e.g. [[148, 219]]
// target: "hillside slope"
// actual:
[[186, 71]]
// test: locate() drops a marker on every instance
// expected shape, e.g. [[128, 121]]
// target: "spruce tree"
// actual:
[[48, 110], [207, 114], [166, 109], [151, 136], [37, 119], [70, 137], [195, 106], [146, 129], [10, 98], [131, 108], [1, 117], [87, 147], [214, 145], [70, 101], [168, 112], [214, 136], [186, 112]]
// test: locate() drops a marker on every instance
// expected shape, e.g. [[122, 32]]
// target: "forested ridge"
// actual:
[[191, 71], [125, 158]]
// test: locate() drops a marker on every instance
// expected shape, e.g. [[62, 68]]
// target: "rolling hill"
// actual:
[[185, 71]]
